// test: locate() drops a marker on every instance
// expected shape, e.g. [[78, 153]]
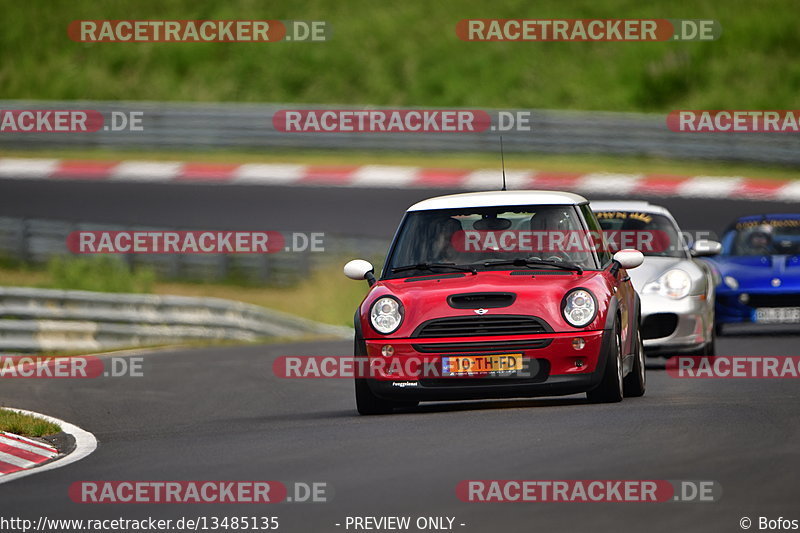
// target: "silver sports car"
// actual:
[[677, 291]]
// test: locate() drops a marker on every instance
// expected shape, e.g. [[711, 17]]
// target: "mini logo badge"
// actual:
[[481, 311], [776, 282]]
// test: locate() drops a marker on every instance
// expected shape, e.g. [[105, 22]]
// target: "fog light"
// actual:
[[578, 343], [387, 351], [744, 297], [578, 363]]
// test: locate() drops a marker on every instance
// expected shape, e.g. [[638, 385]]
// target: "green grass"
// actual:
[[99, 273], [26, 425], [325, 296], [407, 53]]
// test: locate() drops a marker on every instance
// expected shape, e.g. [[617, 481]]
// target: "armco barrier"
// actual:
[[35, 241], [171, 125], [33, 320]]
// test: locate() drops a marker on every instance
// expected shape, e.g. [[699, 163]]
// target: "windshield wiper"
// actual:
[[521, 262], [431, 266]]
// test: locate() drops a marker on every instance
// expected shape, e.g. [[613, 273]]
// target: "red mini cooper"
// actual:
[[497, 295]]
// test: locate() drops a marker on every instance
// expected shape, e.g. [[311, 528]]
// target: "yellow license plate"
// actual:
[[456, 365]]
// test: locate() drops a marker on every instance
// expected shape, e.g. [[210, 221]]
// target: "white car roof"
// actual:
[[629, 206], [498, 198]]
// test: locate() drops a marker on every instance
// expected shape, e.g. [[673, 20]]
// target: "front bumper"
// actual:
[[672, 327], [739, 306], [552, 366]]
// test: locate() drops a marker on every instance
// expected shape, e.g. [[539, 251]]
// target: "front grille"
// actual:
[[774, 300], [659, 325], [483, 347], [473, 326]]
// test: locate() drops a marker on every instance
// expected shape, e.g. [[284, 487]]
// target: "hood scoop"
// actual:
[[481, 300], [434, 277], [541, 273]]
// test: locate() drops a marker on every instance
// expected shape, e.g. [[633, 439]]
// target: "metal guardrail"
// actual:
[[169, 125], [35, 241], [34, 320]]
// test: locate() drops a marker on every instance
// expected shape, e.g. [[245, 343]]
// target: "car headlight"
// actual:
[[674, 283], [731, 282], [386, 314], [579, 307]]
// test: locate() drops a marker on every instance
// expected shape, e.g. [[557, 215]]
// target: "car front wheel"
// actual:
[[610, 388], [369, 404], [635, 383]]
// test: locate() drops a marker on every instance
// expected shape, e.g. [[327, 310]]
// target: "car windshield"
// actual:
[[766, 237], [490, 238], [652, 234]]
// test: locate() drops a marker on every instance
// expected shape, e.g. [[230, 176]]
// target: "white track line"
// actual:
[[709, 187], [11, 167], [605, 182], [146, 171], [85, 444], [16, 461], [383, 176], [789, 192], [492, 179], [268, 173]]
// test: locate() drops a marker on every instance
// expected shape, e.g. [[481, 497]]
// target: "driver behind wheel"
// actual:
[[759, 242], [442, 232], [563, 240]]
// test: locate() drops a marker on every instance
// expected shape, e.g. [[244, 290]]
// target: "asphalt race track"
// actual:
[[220, 413], [343, 210]]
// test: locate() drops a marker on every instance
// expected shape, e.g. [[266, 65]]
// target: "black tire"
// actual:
[[366, 402], [635, 383], [710, 349], [610, 388], [369, 404]]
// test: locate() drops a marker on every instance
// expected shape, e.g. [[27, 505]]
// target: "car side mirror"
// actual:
[[359, 269], [627, 259], [705, 248]]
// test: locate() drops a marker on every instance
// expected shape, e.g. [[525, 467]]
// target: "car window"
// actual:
[[472, 236], [766, 237], [651, 234]]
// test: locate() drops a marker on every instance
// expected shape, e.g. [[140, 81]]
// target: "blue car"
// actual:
[[759, 270]]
